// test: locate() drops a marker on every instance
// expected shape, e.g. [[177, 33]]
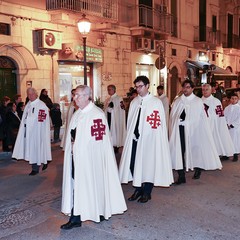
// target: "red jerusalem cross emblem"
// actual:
[[154, 119], [41, 115], [219, 111], [98, 129]]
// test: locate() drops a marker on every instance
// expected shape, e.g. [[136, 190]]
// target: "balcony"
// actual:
[[141, 18], [206, 38], [104, 9], [231, 41]]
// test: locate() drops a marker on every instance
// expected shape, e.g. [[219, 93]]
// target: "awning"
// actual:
[[218, 73]]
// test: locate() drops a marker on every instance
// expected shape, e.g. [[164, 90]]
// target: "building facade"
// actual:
[[166, 40]]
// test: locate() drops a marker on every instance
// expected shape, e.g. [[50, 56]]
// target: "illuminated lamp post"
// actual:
[[84, 26]]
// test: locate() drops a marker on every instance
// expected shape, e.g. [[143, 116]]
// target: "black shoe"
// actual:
[[102, 218], [197, 174], [69, 225], [180, 181], [235, 157], [144, 198], [32, 173], [44, 167], [224, 158], [135, 196]]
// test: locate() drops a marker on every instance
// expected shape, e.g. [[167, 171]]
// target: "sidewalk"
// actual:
[[208, 208]]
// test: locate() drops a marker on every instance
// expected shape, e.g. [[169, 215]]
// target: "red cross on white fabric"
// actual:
[[154, 119], [98, 129], [219, 111], [41, 115]]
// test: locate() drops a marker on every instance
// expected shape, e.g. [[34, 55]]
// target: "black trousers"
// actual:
[[183, 145], [74, 218], [181, 172], [146, 187], [56, 133]]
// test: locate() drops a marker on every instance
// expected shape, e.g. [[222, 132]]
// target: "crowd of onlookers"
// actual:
[[11, 111]]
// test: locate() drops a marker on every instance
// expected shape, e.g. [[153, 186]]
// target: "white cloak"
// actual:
[[70, 112], [218, 125], [200, 151], [152, 162], [96, 189], [232, 114], [118, 120], [165, 102], [33, 142]]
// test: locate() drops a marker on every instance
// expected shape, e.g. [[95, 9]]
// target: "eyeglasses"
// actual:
[[139, 86], [187, 87], [79, 95]]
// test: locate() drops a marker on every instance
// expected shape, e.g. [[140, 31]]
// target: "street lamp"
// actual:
[[84, 26]]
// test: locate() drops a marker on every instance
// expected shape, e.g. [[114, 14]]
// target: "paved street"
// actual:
[[208, 208]]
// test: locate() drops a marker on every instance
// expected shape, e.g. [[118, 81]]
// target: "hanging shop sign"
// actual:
[[75, 53]]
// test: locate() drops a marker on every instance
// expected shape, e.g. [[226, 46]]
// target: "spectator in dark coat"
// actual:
[[12, 124], [20, 109], [56, 117], [45, 98], [17, 99], [3, 111]]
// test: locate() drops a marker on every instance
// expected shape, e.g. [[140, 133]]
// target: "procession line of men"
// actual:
[[91, 188]]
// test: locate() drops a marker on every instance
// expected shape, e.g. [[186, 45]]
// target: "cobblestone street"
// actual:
[[208, 208]]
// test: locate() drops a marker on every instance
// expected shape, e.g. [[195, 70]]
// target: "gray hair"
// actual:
[[87, 90], [31, 89], [207, 85]]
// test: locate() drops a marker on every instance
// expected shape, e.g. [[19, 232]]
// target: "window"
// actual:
[[4, 29], [213, 56], [239, 27], [174, 52], [214, 23]]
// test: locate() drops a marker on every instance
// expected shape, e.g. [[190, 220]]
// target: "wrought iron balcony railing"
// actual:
[[231, 41], [107, 9], [207, 34], [143, 16]]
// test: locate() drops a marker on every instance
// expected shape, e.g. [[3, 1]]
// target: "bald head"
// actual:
[[206, 90]]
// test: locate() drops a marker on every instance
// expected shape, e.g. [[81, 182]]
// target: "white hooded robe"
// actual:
[[152, 162], [200, 151], [232, 114], [218, 126], [33, 141], [118, 120], [95, 189], [70, 111]]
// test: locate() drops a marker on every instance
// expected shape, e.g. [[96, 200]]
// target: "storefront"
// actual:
[[71, 71]]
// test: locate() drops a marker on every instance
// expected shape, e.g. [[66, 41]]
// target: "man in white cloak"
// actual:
[[165, 101], [146, 158], [116, 117], [91, 188], [232, 113], [218, 124], [190, 137], [71, 109], [33, 141]]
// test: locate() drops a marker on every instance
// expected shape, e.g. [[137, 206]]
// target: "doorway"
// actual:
[[8, 83]]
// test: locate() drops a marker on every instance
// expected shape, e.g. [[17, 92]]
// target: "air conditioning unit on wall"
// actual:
[[49, 39], [145, 44]]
